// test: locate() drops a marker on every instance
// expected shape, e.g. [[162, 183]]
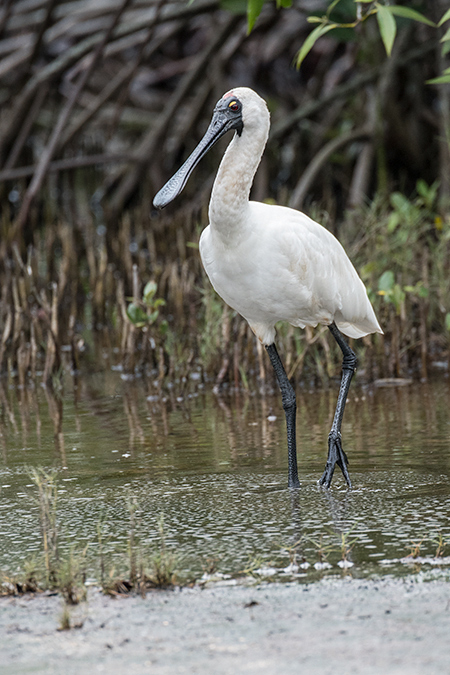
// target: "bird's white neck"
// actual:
[[230, 194]]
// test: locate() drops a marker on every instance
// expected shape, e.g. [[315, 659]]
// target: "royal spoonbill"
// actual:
[[273, 263]]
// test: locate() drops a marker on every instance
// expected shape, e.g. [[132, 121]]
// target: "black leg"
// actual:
[[290, 409], [336, 454]]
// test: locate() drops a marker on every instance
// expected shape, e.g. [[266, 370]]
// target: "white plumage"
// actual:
[[273, 263]]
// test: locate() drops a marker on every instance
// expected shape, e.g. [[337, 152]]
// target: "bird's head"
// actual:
[[253, 109], [240, 109]]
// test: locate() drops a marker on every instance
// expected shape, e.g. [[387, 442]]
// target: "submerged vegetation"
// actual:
[[66, 572], [75, 304], [143, 568]]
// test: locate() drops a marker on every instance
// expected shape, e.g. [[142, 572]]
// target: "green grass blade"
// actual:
[[408, 13], [442, 79], [254, 8], [387, 26], [445, 18], [446, 37], [312, 39]]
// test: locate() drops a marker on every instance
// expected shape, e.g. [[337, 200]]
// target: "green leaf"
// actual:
[[400, 202], [443, 79], [234, 6], [387, 26], [164, 327], [427, 192], [243, 377], [446, 36], [368, 268], [447, 321], [386, 281], [149, 292], [393, 222], [398, 296], [445, 18], [284, 3], [137, 315], [254, 8], [419, 290], [422, 188], [312, 39], [408, 13]]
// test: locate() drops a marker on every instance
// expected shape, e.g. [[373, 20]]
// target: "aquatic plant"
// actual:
[[415, 547], [70, 577], [49, 569], [46, 483], [293, 551], [65, 619], [211, 565], [28, 579], [347, 544], [440, 543], [163, 562], [322, 549], [254, 567], [148, 568], [132, 508]]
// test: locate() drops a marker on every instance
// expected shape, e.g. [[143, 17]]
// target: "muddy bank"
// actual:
[[334, 626]]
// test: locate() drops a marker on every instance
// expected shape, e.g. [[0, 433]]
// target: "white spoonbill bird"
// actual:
[[273, 263]]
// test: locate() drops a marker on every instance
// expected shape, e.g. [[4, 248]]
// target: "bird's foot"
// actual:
[[336, 455]]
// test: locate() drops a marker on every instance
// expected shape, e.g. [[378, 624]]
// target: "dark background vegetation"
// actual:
[[102, 100]]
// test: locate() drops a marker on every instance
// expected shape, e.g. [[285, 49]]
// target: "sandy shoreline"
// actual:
[[333, 626]]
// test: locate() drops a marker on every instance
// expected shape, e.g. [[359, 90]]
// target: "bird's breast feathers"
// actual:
[[281, 265]]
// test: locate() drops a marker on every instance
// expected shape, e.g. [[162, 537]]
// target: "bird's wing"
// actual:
[[312, 264]]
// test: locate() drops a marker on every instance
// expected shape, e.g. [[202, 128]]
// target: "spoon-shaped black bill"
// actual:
[[220, 124]]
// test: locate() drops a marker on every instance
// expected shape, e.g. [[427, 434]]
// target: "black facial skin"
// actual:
[[227, 115]]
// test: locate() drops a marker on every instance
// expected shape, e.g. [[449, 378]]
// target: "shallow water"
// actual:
[[216, 468]]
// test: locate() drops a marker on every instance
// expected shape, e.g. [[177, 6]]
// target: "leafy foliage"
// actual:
[[445, 77], [409, 245], [145, 312], [387, 26], [254, 8], [384, 12]]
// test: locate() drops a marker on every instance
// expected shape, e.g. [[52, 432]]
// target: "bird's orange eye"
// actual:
[[234, 106]]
